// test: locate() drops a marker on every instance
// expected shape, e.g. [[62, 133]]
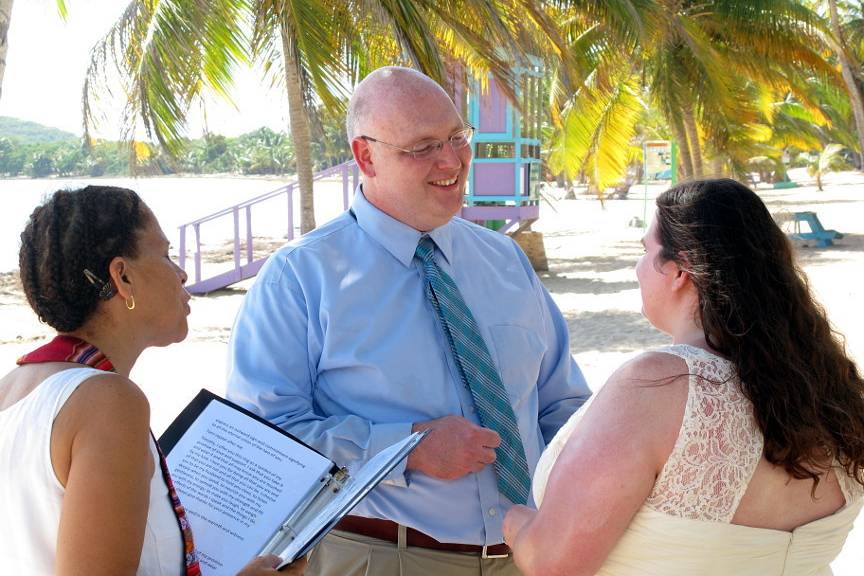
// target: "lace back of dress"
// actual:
[[852, 490], [718, 446]]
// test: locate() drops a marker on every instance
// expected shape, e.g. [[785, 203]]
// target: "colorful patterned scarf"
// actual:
[[71, 349]]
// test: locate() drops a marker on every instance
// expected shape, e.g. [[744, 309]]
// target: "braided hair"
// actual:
[[67, 246]]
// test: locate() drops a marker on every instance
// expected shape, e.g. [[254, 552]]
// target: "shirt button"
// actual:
[[492, 511]]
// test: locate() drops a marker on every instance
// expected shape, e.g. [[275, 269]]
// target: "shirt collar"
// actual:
[[397, 237]]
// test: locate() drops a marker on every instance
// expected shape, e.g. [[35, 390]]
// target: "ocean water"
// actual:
[[174, 200]]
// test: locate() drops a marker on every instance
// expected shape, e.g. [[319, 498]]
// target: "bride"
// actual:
[[739, 449]]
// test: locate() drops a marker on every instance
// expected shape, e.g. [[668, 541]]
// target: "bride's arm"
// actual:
[[605, 472]]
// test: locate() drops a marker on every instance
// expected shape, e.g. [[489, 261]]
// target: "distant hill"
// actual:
[[31, 132]]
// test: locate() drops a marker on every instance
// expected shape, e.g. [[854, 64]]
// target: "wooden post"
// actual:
[[249, 234], [182, 248], [197, 228], [236, 212], [290, 194]]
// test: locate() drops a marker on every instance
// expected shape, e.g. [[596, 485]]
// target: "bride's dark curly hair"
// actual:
[[756, 309]]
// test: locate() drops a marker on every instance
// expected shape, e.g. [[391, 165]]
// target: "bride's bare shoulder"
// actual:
[[650, 370]]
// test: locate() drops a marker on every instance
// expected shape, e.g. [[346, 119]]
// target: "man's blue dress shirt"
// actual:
[[337, 344]]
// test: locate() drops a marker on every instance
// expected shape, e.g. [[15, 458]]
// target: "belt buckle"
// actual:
[[484, 554]]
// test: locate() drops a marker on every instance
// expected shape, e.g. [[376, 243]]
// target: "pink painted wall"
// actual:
[[493, 110], [494, 179]]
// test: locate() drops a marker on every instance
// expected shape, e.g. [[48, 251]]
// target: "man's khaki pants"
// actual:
[[346, 554]]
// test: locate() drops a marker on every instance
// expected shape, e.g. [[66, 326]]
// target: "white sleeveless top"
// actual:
[[684, 526], [31, 497]]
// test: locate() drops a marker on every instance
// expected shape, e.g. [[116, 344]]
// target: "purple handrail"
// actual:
[[350, 177]]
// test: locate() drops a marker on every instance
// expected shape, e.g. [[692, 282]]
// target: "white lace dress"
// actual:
[[684, 526]]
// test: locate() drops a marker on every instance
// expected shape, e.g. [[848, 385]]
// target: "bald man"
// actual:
[[344, 342]]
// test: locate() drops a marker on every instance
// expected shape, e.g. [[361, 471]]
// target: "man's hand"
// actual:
[[455, 447]]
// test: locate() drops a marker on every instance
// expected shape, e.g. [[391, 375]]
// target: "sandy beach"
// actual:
[[592, 250]]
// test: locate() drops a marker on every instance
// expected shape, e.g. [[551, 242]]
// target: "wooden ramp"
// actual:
[[244, 262]]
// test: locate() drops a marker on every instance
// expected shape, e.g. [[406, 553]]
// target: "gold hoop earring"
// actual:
[[132, 305]]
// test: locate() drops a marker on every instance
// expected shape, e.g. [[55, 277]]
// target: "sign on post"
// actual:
[[658, 163], [658, 159]]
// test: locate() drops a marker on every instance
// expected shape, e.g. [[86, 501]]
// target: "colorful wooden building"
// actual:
[[503, 183]]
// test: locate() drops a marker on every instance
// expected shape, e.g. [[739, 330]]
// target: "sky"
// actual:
[[48, 57]]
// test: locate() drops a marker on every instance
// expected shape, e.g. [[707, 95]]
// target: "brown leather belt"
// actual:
[[388, 530]]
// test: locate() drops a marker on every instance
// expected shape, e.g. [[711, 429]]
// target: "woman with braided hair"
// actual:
[[739, 449], [83, 487]]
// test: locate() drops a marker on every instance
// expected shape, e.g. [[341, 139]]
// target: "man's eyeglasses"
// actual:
[[427, 149]]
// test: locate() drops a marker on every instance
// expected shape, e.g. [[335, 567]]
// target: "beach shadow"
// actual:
[[578, 275], [840, 251], [566, 233], [829, 183], [626, 253], [629, 249], [798, 203], [612, 331], [557, 284], [593, 263]]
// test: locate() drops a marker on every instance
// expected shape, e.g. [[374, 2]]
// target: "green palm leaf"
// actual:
[[597, 131], [164, 54]]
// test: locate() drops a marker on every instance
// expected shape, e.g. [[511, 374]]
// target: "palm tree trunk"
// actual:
[[847, 65], [685, 162], [689, 120], [5, 19], [717, 167], [300, 131]]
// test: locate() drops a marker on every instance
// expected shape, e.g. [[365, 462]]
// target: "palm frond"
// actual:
[[311, 31], [62, 10], [164, 54], [831, 158], [411, 29], [597, 131]]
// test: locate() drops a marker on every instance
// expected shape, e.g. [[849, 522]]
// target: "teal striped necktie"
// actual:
[[478, 373]]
